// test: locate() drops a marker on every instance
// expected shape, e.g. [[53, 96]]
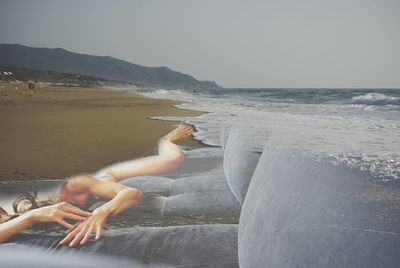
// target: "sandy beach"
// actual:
[[62, 131]]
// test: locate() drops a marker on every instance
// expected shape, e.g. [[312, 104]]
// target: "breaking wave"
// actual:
[[375, 99]]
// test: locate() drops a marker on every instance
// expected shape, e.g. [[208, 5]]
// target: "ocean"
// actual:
[[359, 128]]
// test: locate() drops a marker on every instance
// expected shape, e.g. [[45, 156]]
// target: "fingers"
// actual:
[[72, 209], [76, 235], [87, 236], [72, 216], [73, 227], [63, 223], [82, 234], [69, 236], [187, 126], [186, 130], [79, 237], [65, 210], [98, 232], [180, 132]]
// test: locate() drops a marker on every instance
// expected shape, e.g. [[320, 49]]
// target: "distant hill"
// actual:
[[61, 60], [53, 77]]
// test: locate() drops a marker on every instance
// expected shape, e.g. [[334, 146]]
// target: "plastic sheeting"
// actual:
[[199, 186], [305, 213], [204, 192], [19, 256], [197, 195], [239, 162], [181, 246]]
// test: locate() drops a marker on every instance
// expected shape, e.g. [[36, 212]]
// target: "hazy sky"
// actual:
[[237, 43]]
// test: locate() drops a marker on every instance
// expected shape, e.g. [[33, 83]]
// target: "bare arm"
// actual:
[[14, 226], [168, 158], [54, 213], [121, 198]]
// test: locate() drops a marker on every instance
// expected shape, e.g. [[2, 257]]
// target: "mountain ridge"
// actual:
[[107, 67], [24, 75]]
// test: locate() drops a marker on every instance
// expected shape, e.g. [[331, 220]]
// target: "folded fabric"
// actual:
[[300, 212], [175, 246]]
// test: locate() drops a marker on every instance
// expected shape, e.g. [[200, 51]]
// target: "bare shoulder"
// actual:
[[87, 183], [81, 182]]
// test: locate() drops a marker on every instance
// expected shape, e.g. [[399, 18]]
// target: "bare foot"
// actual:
[[180, 132]]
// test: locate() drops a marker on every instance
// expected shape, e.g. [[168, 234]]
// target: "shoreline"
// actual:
[[62, 131]]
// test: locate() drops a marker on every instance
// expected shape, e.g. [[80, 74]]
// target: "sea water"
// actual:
[[359, 128]]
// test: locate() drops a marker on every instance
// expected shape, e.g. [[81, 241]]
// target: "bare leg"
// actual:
[[169, 157]]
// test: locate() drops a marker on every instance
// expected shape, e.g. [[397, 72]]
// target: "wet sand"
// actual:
[[62, 131]]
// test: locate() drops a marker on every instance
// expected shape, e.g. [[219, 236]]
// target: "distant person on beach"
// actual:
[[78, 189], [31, 87]]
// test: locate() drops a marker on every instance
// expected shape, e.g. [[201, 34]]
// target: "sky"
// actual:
[[237, 43]]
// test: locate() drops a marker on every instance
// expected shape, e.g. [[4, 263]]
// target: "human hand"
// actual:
[[182, 131], [57, 213], [81, 232]]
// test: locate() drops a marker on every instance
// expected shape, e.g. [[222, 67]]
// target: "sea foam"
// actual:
[[319, 122], [375, 99]]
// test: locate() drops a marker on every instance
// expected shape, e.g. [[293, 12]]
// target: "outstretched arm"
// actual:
[[54, 213], [121, 198], [169, 157]]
